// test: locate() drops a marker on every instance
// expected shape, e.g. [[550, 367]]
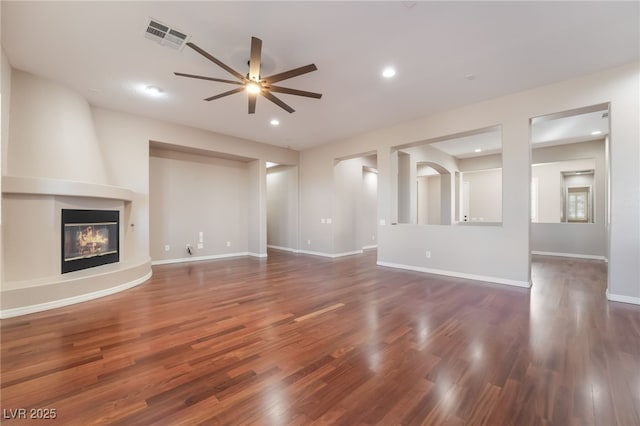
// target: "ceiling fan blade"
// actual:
[[221, 95], [217, 62], [277, 101], [180, 74], [290, 74], [252, 102], [294, 92], [254, 61]]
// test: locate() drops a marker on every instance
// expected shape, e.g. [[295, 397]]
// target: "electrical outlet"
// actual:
[[200, 245], [329, 220], [309, 242], [383, 222], [428, 254], [323, 220], [167, 247], [373, 238], [228, 243], [201, 237]]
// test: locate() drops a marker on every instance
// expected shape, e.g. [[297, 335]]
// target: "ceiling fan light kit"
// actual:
[[253, 83]]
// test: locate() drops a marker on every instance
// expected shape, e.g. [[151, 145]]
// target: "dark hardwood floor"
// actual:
[[297, 339]]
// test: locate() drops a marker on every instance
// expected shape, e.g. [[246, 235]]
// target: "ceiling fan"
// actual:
[[253, 83]]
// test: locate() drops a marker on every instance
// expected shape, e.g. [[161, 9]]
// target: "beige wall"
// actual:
[[282, 207], [550, 187], [189, 194], [429, 200], [120, 157], [52, 133], [353, 214], [5, 97], [497, 253], [369, 209], [56, 136], [485, 195], [573, 239]]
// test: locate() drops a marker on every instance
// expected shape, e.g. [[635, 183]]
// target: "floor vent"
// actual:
[[165, 35]]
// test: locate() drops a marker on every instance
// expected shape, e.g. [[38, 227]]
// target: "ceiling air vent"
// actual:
[[165, 35]]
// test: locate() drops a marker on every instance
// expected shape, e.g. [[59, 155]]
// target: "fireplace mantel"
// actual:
[[32, 211], [42, 186]]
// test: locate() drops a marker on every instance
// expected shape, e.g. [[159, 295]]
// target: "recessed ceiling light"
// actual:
[[388, 72], [153, 91], [275, 122], [470, 77], [477, 150], [596, 132]]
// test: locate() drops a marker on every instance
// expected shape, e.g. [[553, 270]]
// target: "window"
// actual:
[[578, 204]]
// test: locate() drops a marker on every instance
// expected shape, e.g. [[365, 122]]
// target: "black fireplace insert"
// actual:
[[89, 238]]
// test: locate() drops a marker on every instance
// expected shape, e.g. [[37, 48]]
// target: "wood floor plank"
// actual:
[[296, 339]]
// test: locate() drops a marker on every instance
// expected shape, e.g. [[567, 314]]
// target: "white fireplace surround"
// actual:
[[33, 207]]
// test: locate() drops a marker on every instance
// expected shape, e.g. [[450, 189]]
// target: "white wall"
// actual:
[[282, 207]]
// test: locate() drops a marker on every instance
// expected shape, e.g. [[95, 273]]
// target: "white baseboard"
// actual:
[[200, 258], [282, 248], [260, 255], [516, 283], [623, 299], [330, 255], [375, 246], [573, 255], [24, 310]]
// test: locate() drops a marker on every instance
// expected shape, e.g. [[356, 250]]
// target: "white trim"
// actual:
[[330, 255], [505, 281], [282, 248], [199, 258], [375, 246], [30, 309], [261, 255], [574, 255], [623, 299], [46, 186]]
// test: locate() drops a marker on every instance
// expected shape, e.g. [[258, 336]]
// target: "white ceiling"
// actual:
[[98, 49], [574, 128], [489, 142]]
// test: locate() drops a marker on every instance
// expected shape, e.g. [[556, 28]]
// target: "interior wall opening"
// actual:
[[282, 206], [355, 218], [569, 183], [455, 179]]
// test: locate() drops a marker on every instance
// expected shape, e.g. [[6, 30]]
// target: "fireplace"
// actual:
[[89, 238]]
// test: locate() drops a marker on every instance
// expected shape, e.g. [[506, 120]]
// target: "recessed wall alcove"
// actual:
[[32, 276]]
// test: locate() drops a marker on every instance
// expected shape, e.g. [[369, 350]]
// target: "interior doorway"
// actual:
[[282, 207], [570, 183]]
